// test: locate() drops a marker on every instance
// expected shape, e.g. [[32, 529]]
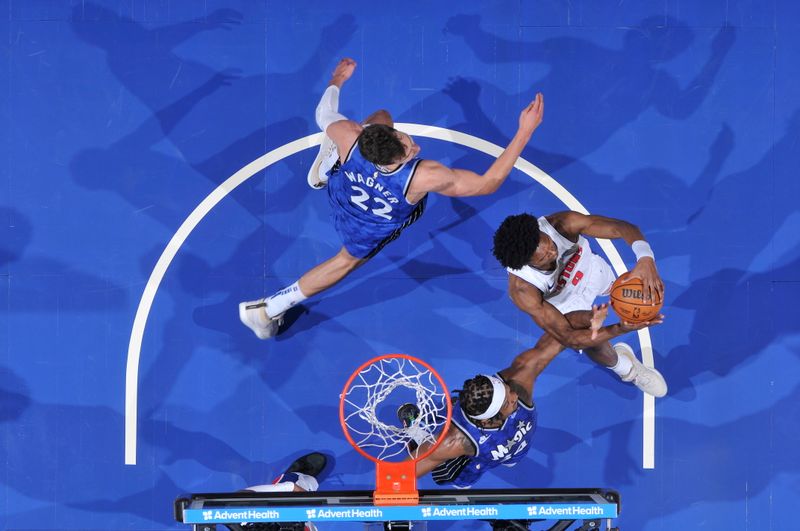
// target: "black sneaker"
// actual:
[[310, 464], [407, 414]]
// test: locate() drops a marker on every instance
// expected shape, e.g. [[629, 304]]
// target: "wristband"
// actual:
[[642, 249]]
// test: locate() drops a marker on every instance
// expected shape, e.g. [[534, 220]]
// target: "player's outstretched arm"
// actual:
[[530, 300], [435, 177], [529, 364], [342, 131], [575, 223], [454, 445]]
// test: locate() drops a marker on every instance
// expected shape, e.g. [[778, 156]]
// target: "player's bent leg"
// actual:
[[265, 316], [603, 354], [623, 361], [647, 379], [329, 273]]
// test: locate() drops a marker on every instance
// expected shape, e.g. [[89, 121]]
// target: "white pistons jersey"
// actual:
[[579, 275]]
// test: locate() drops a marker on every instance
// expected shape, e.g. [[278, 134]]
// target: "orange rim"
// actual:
[[374, 360]]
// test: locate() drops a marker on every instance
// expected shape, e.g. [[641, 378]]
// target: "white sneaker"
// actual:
[[326, 158], [253, 315], [648, 380]]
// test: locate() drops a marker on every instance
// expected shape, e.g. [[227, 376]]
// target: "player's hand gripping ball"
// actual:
[[627, 299]]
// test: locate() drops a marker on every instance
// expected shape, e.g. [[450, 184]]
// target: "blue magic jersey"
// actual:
[[505, 445], [370, 206]]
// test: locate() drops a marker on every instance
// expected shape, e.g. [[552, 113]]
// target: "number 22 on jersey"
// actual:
[[361, 198]]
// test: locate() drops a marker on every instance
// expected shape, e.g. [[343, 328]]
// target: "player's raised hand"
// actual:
[[632, 327], [599, 313], [343, 71], [531, 116], [652, 285]]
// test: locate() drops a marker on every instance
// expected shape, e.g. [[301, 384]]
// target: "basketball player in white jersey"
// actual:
[[301, 476], [553, 276]]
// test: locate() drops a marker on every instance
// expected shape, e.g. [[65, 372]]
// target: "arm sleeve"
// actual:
[[328, 108]]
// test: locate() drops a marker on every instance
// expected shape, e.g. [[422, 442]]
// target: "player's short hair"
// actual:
[[380, 145], [515, 240], [476, 396]]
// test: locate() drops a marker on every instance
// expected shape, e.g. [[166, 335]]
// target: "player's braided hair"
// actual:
[[379, 145], [476, 396], [516, 240]]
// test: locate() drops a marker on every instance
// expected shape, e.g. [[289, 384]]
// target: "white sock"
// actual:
[[623, 366], [284, 299]]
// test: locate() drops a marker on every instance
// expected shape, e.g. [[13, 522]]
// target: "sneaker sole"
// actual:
[[310, 464], [626, 350], [243, 318]]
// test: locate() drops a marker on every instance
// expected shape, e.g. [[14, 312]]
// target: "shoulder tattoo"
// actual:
[[463, 441], [521, 391]]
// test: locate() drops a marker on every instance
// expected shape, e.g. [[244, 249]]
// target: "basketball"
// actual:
[[627, 299]]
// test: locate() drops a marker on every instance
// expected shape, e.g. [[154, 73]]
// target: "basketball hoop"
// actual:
[[367, 412]]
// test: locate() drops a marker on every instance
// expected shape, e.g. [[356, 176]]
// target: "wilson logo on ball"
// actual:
[[628, 293], [627, 299]]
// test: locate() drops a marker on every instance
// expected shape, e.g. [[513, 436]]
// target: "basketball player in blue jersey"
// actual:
[[377, 187], [553, 273], [494, 416]]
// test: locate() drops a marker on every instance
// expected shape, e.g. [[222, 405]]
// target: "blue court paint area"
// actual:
[[120, 118]]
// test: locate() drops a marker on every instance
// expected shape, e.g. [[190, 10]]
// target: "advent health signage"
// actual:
[[549, 511]]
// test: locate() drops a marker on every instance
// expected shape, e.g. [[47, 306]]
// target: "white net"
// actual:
[[372, 400]]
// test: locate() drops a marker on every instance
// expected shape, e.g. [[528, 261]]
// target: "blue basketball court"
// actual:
[[153, 175]]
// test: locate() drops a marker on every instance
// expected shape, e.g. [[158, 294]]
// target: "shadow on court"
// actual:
[[731, 453], [631, 79], [192, 110]]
